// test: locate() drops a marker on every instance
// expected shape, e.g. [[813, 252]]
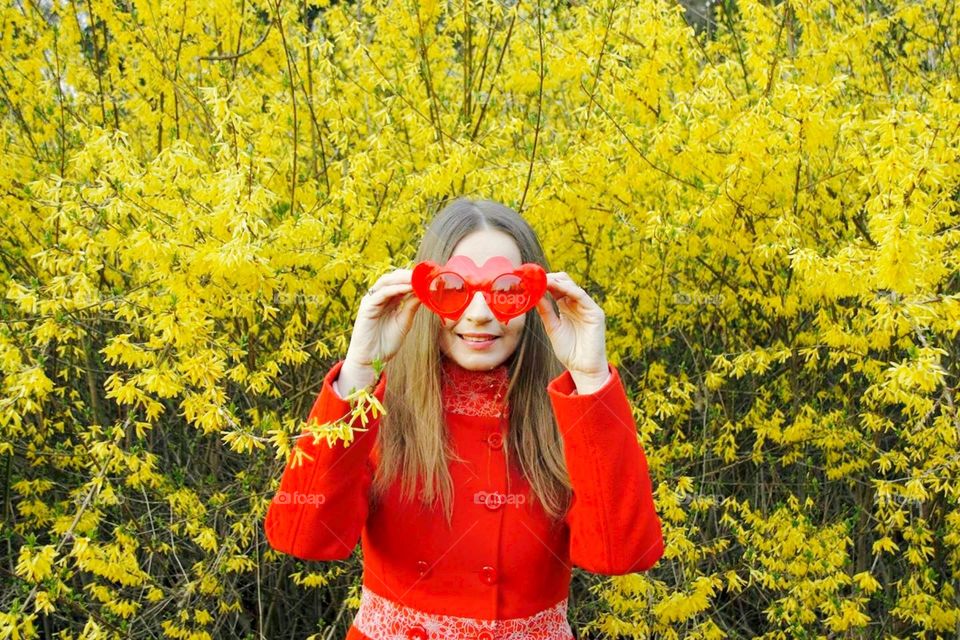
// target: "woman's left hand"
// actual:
[[578, 334]]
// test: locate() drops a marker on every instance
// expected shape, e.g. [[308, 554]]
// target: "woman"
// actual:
[[503, 459]]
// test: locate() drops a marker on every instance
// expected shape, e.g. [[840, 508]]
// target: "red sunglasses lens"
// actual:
[[510, 296], [448, 292]]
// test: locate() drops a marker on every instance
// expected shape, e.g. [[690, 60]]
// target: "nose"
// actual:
[[477, 312]]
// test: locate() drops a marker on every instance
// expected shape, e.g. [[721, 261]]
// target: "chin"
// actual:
[[472, 356]]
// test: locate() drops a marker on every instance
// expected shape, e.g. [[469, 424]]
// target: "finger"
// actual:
[[573, 299], [386, 293], [561, 288], [396, 276], [547, 314], [559, 277], [408, 310]]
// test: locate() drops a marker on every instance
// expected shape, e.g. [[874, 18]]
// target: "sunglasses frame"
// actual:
[[481, 279]]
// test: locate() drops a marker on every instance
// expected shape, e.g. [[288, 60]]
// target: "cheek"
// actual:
[[444, 332], [515, 328]]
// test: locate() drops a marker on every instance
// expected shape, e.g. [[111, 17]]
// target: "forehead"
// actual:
[[486, 243]]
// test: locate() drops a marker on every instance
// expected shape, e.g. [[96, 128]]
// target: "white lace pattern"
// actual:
[[382, 619]]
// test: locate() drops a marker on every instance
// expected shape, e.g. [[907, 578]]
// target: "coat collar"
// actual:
[[474, 393]]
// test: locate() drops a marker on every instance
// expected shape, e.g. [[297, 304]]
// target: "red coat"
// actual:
[[500, 560]]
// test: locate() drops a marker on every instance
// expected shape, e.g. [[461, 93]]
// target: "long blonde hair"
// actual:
[[413, 439]]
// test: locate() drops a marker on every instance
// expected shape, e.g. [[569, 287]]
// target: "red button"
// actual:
[[422, 567], [495, 440], [488, 574], [484, 635], [417, 633]]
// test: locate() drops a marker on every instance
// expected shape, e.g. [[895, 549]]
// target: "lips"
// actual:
[[477, 337]]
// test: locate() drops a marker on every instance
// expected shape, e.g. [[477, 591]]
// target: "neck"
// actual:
[[451, 365]]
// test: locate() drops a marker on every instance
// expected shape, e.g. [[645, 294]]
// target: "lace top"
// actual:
[[384, 619], [474, 393]]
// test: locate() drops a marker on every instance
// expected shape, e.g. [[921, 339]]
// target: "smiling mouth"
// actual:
[[477, 339]]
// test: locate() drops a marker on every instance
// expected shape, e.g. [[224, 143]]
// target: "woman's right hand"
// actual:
[[385, 316]]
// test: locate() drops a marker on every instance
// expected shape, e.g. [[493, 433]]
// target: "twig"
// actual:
[[234, 56], [536, 131]]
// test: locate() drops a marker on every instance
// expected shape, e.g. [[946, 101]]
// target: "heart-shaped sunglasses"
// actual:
[[509, 291]]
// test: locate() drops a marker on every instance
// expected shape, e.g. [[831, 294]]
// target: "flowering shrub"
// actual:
[[196, 194]]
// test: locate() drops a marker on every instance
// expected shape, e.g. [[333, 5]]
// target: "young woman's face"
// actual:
[[477, 317]]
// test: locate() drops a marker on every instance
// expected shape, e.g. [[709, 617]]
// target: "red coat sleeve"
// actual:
[[322, 504], [614, 526]]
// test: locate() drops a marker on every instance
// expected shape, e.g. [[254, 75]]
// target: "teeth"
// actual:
[[472, 339]]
